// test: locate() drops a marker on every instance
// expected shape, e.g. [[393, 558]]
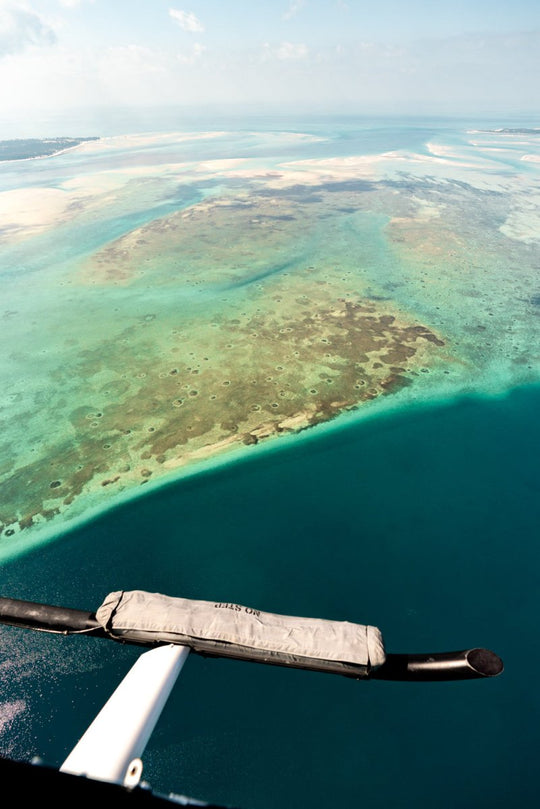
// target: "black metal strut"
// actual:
[[469, 664]]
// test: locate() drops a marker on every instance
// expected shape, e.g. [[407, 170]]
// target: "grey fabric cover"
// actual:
[[138, 615]]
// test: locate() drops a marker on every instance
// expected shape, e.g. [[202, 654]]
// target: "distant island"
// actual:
[[504, 131], [520, 131], [25, 148]]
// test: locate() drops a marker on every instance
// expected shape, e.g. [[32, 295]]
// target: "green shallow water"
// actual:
[[424, 523], [395, 313], [181, 308]]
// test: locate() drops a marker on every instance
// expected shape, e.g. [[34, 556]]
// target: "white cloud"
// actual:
[[190, 58], [128, 59], [21, 27], [62, 77], [291, 50], [466, 73], [73, 3], [186, 20], [294, 7], [284, 52]]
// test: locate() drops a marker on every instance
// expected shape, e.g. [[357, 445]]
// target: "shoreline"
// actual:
[[400, 266], [82, 142], [376, 413]]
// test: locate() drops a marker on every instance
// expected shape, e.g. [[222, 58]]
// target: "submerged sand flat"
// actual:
[[171, 310]]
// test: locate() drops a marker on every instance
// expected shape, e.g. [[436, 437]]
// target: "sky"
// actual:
[[458, 57]]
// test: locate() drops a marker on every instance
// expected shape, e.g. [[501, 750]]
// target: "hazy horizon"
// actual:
[[470, 59]]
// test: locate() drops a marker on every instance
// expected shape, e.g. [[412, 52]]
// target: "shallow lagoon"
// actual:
[[411, 504], [170, 297]]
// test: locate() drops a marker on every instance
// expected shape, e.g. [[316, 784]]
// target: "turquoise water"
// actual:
[[422, 519], [134, 252], [425, 524]]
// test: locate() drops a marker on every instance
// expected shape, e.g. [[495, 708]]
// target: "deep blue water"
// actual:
[[425, 523]]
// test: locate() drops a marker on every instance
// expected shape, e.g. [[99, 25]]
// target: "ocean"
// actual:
[[415, 510]]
